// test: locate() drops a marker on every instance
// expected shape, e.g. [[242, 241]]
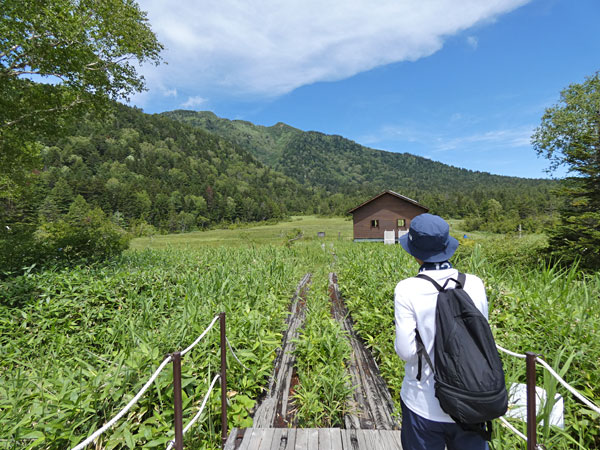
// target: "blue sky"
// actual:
[[463, 82]]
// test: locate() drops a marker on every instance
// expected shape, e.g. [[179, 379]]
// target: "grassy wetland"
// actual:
[[77, 343]]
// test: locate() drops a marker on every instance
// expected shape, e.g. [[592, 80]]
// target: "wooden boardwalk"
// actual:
[[312, 439], [370, 423]]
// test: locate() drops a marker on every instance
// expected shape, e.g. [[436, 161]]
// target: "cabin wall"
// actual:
[[386, 209]]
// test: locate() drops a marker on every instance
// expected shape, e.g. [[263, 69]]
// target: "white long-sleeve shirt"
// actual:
[[415, 300]]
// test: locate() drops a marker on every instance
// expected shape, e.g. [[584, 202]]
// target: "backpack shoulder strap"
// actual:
[[462, 278], [421, 352], [428, 278], [460, 281]]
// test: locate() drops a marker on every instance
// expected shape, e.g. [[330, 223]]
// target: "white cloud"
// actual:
[[270, 47], [170, 92], [446, 140], [473, 42], [504, 138], [193, 102]]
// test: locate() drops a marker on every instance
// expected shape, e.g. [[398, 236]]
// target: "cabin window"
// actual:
[[401, 223], [374, 223]]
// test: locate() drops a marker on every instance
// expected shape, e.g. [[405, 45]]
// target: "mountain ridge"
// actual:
[[337, 166]]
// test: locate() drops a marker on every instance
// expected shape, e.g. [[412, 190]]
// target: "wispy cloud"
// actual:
[[194, 102], [506, 138], [269, 47], [473, 42], [443, 141]]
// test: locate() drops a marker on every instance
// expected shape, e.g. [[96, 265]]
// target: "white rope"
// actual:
[[199, 413], [234, 355], [200, 337], [127, 407], [135, 399], [571, 389], [518, 355], [567, 386], [507, 424]]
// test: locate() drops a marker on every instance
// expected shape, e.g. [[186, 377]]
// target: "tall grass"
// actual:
[[76, 344]]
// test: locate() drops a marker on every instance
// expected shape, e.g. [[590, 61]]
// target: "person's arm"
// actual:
[[406, 324]]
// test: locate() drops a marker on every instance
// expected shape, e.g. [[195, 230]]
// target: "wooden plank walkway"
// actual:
[[275, 409], [372, 406], [312, 439]]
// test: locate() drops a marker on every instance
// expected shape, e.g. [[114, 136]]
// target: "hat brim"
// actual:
[[429, 256]]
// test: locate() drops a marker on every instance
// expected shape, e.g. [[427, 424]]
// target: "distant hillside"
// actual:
[[150, 168], [336, 165]]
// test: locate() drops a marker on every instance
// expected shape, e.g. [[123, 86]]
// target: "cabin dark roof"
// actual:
[[395, 194]]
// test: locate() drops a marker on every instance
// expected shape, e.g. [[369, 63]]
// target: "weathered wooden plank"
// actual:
[[267, 438], [257, 437], [276, 441], [396, 435], [363, 441], [372, 406], [273, 409], [230, 443], [313, 438], [324, 438], [372, 437], [336, 439], [246, 440], [378, 440], [301, 439], [387, 440], [290, 442], [347, 439]]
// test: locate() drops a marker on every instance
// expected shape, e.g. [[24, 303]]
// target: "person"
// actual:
[[424, 424]]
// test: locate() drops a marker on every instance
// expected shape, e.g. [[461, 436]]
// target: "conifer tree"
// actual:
[[569, 136]]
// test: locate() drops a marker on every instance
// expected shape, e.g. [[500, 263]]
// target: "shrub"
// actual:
[[83, 233]]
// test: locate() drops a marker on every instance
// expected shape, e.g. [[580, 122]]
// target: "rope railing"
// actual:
[[234, 355], [199, 413], [199, 338], [508, 352], [121, 413], [568, 387], [144, 388], [508, 425], [547, 366], [531, 359]]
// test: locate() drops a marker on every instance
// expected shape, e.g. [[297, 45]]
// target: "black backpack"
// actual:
[[468, 374]]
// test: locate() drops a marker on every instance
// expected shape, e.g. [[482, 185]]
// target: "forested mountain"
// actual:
[[348, 173], [145, 173], [168, 173]]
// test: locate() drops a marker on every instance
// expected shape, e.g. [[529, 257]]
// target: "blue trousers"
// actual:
[[419, 433]]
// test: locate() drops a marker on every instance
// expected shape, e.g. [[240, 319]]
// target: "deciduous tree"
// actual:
[[59, 57]]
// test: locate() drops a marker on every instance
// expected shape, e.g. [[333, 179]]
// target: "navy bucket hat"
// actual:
[[428, 239]]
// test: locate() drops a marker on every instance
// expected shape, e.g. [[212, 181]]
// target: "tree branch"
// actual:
[[63, 108]]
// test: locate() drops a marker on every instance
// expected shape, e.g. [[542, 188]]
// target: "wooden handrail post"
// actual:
[[177, 403], [223, 380], [531, 402]]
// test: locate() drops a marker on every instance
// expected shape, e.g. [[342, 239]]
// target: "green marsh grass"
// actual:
[[335, 228], [78, 343]]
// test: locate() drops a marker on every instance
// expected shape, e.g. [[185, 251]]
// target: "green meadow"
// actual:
[[78, 342], [335, 228]]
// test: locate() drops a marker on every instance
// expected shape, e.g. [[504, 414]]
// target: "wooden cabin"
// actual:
[[388, 211]]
